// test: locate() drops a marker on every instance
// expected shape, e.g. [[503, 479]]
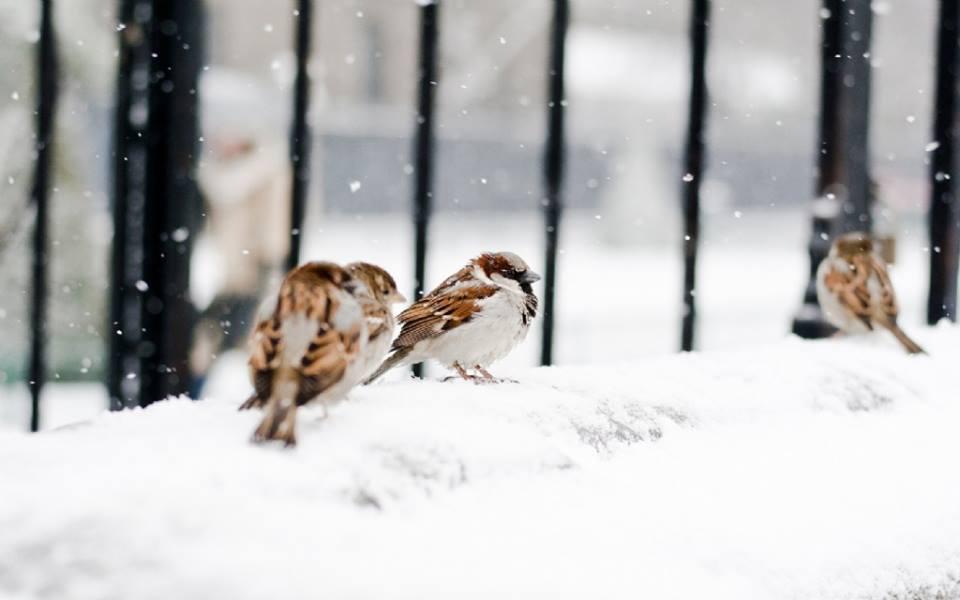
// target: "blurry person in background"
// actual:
[[245, 180]]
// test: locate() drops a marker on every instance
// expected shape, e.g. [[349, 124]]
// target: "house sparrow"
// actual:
[[475, 317], [305, 347], [376, 293], [855, 292]]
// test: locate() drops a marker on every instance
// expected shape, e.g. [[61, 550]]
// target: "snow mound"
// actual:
[[796, 470]]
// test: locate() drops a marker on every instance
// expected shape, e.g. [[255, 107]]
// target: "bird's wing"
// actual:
[[465, 274], [439, 312], [264, 343], [850, 288], [379, 319], [336, 343], [886, 304], [332, 348]]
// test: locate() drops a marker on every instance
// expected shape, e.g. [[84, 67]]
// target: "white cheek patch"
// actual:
[[505, 282]]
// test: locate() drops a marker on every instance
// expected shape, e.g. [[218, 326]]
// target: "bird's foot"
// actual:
[[487, 377], [252, 402], [463, 374]]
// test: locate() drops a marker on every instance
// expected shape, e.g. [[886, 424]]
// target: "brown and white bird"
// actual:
[[855, 292], [305, 347], [474, 318], [376, 293]]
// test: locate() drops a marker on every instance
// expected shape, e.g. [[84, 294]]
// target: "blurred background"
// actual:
[[619, 294]]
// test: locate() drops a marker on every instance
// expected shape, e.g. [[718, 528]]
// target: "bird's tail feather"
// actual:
[[909, 345], [279, 416], [392, 361]]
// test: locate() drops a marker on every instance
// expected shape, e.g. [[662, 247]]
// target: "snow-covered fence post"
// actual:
[[553, 163], [46, 109], [693, 164], [300, 130], [423, 144], [156, 200], [944, 170], [843, 187]]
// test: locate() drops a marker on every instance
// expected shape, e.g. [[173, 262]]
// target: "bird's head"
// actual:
[[852, 244], [378, 282], [506, 269]]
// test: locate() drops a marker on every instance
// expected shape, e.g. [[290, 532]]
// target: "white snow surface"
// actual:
[[792, 470]]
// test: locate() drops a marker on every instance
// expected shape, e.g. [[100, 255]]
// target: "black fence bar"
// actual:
[[156, 201], [693, 166], [843, 188], [300, 138], [172, 209], [944, 170], [553, 163], [423, 146], [129, 172], [46, 100]]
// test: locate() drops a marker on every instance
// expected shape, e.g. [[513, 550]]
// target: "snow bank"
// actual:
[[796, 470]]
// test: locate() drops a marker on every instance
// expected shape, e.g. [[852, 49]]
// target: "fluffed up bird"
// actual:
[[855, 292], [305, 347], [474, 318], [376, 293]]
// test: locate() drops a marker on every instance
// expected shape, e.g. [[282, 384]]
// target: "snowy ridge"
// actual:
[[796, 470]]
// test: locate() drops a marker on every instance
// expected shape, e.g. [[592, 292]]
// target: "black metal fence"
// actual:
[[156, 201]]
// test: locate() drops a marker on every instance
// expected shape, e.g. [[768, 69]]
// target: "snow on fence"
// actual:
[[798, 470]]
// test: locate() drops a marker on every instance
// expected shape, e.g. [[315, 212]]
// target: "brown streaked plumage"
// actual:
[[376, 294], [439, 312], [304, 347], [855, 291], [474, 317]]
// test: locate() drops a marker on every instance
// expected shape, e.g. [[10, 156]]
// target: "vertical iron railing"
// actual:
[[129, 175], [843, 187], [300, 138], [46, 101], [944, 170], [172, 214], [694, 165], [156, 199], [423, 146], [553, 164]]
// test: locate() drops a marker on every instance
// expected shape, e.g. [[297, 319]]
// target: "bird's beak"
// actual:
[[529, 277], [397, 297]]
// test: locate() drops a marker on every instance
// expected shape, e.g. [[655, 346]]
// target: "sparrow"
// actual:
[[855, 292], [376, 293], [474, 318], [305, 347]]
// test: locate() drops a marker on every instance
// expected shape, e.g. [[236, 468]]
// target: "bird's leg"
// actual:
[[463, 372], [489, 378]]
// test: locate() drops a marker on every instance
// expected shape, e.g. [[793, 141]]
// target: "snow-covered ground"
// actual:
[[787, 470]]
